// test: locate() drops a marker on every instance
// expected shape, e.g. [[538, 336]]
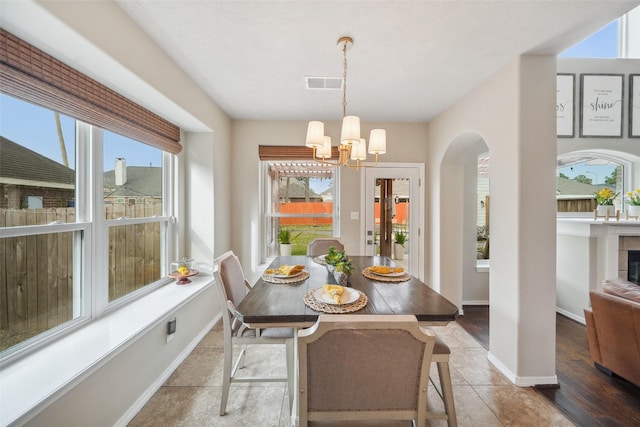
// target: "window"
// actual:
[[298, 196], [48, 230], [580, 175], [79, 255], [482, 213]]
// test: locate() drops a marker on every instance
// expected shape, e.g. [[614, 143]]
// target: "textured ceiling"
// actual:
[[410, 59]]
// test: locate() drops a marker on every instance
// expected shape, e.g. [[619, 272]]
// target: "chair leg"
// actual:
[[447, 393], [291, 371], [226, 378], [243, 354]]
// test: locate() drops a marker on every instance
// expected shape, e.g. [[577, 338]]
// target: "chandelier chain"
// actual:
[[344, 81]]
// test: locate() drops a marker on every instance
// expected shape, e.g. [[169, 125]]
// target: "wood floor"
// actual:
[[586, 395]]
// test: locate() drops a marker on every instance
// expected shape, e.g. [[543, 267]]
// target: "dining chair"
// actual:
[[321, 245], [233, 288], [364, 368], [441, 355]]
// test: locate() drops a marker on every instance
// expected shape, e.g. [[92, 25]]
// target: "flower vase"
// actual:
[[634, 210], [603, 209]]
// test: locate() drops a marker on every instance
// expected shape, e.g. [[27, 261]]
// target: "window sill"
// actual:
[[31, 383], [482, 265]]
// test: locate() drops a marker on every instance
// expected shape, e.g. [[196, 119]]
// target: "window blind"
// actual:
[[32, 75], [290, 152]]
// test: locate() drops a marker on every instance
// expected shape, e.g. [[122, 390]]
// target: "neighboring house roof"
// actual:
[[22, 166], [571, 187], [296, 190], [141, 181]]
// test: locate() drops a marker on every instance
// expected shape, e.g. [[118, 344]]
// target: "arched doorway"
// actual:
[[461, 278]]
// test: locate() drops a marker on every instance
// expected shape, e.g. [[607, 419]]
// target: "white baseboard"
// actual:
[[521, 381], [153, 388], [475, 302], [571, 316]]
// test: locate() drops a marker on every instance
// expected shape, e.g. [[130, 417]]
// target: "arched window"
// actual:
[[581, 174]]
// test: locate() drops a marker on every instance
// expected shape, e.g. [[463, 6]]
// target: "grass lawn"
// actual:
[[308, 233]]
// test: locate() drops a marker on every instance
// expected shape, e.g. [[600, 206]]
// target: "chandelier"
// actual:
[[352, 148]]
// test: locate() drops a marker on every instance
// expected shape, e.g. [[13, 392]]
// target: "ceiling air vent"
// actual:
[[326, 83]]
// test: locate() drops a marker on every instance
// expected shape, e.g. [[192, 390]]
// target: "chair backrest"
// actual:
[[228, 272], [321, 245], [364, 367]]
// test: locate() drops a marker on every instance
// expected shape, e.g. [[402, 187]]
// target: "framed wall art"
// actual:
[[634, 106], [565, 105], [601, 103]]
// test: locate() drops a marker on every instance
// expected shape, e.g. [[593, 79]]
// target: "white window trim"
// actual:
[[627, 175], [264, 216], [91, 243]]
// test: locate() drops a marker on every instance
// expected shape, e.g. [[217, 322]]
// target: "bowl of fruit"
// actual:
[[182, 270]]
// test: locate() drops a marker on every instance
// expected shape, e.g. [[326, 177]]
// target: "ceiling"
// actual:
[[410, 59]]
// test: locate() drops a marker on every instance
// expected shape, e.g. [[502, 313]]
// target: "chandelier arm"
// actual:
[[323, 161]]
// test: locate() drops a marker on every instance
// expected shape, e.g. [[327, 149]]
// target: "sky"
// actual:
[[35, 128]]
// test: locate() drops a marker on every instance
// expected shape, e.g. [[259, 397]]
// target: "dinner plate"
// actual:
[[391, 274], [285, 276], [349, 296]]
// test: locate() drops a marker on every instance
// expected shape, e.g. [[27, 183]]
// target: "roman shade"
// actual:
[[289, 152], [32, 75]]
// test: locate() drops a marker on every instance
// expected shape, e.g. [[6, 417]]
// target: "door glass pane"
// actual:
[[392, 208]]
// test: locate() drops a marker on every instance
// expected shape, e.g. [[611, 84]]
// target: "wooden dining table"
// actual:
[[274, 304], [271, 304]]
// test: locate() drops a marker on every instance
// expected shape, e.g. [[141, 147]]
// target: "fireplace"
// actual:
[[633, 267], [629, 258]]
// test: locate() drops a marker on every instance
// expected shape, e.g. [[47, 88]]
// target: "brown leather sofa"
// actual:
[[613, 328]]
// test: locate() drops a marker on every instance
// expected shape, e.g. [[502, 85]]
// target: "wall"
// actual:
[[576, 269], [600, 66], [406, 142], [113, 393], [81, 34], [510, 113]]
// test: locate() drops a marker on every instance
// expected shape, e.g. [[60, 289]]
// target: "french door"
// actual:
[[392, 204]]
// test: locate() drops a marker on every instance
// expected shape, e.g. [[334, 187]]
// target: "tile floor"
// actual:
[[191, 396]]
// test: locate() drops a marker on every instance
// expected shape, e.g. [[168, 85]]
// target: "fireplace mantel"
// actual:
[[588, 251]]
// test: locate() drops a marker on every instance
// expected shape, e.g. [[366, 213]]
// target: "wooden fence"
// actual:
[[36, 272]]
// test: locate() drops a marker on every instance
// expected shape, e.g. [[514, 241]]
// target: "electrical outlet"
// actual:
[[171, 329]]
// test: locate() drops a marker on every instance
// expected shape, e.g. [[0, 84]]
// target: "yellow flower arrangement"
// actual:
[[633, 197], [605, 196]]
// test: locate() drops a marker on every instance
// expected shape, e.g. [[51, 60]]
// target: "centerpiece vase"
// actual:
[[341, 277]]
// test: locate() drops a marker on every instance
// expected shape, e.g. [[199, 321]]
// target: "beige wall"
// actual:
[[511, 113], [406, 142]]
